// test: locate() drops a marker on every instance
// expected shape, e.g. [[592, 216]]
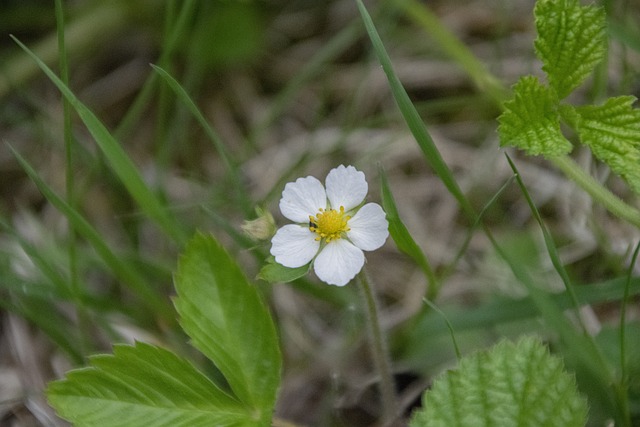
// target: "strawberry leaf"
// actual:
[[531, 121]]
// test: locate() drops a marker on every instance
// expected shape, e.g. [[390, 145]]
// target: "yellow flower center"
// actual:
[[329, 224]]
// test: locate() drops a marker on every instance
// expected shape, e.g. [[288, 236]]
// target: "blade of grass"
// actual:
[[402, 237], [55, 326], [69, 143], [188, 102], [119, 161], [582, 347], [463, 248], [149, 297], [163, 105], [503, 310], [43, 263], [623, 384], [448, 323], [231, 165], [552, 250], [413, 119], [168, 48]]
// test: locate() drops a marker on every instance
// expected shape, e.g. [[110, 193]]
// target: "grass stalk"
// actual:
[[69, 144], [119, 161], [140, 103], [379, 350], [623, 386], [126, 272], [597, 191]]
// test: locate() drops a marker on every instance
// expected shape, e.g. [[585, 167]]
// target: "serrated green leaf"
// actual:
[[143, 385], [612, 131], [530, 120], [273, 272], [510, 385], [571, 41], [228, 322]]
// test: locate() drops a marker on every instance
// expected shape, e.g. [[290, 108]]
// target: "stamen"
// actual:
[[329, 224]]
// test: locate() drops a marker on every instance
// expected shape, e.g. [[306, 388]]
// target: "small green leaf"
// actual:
[[228, 322], [143, 385], [530, 120], [510, 385], [571, 41], [273, 272], [612, 131]]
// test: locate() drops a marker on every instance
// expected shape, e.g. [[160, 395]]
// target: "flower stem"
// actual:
[[379, 349]]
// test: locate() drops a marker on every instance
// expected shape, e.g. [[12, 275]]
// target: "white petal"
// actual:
[[369, 227], [338, 262], [302, 198], [294, 246], [346, 186]]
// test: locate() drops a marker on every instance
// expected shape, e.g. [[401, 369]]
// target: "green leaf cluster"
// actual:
[[511, 384], [571, 41], [612, 131], [147, 385]]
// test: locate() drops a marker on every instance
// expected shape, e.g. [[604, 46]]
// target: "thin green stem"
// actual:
[[449, 326], [623, 386], [74, 283], [599, 193], [552, 250], [379, 349], [142, 99], [414, 121]]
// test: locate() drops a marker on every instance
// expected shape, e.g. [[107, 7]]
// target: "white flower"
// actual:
[[332, 228]]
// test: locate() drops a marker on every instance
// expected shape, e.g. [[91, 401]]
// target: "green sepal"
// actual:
[[530, 120], [571, 41], [273, 272], [511, 384], [612, 131]]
